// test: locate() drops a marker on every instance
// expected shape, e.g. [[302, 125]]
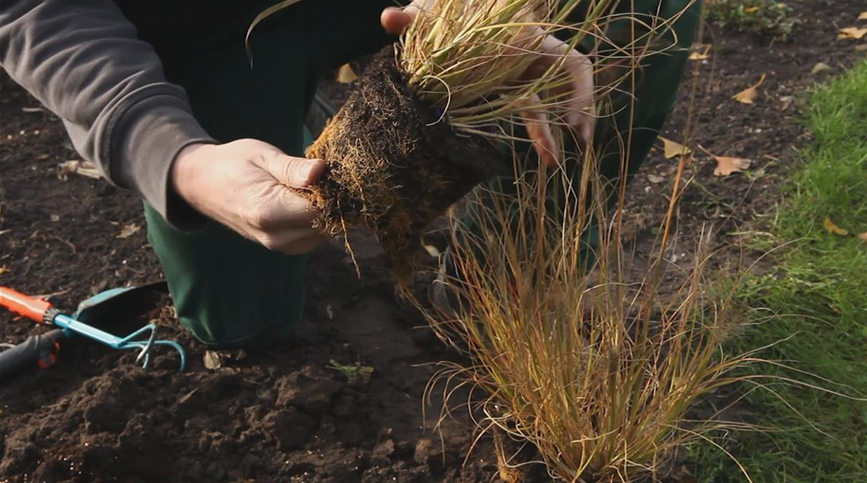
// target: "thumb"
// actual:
[[295, 172], [395, 20]]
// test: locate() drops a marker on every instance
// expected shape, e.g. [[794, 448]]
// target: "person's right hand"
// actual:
[[245, 185]]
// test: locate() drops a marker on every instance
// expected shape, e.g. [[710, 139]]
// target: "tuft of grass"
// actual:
[[581, 357], [817, 301], [758, 16]]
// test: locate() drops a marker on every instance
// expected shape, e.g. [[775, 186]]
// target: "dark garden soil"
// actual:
[[287, 414]]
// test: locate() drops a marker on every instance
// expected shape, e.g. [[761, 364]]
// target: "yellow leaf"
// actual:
[[673, 149], [726, 166], [747, 96], [213, 360], [128, 230], [852, 33], [751, 10], [819, 68], [830, 227], [346, 75], [700, 53]]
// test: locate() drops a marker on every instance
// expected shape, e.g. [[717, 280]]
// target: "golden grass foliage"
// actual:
[[581, 355]]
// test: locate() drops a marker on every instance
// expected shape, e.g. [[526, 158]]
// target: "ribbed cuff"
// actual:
[[145, 136]]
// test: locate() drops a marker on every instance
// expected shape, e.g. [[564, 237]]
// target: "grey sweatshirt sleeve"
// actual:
[[83, 61]]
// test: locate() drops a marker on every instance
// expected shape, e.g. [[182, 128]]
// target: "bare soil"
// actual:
[[285, 415]]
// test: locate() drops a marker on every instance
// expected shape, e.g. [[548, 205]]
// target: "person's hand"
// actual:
[[580, 112], [245, 185]]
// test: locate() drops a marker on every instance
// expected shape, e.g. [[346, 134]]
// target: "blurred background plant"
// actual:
[[758, 16]]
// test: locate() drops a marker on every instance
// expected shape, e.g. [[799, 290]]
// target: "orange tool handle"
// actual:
[[30, 307]]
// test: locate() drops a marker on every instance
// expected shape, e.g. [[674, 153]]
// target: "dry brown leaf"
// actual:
[[4, 269], [863, 16], [655, 179], [820, 67], [748, 95], [128, 230], [726, 166], [345, 74], [673, 149], [700, 52], [830, 227], [213, 360], [852, 33]]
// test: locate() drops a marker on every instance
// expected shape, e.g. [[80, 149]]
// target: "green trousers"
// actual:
[[231, 292]]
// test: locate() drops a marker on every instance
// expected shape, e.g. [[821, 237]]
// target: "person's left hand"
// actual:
[[580, 109]]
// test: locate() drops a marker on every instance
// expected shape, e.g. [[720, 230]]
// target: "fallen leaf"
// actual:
[[748, 95], [751, 10], [128, 230], [655, 179], [863, 236], [345, 74], [786, 102], [820, 67], [854, 33], [673, 149], [830, 227], [700, 52], [3, 270], [863, 16], [213, 360], [727, 166]]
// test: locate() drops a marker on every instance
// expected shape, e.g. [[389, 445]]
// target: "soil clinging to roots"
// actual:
[[394, 164]]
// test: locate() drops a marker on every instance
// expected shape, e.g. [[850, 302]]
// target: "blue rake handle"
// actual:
[[72, 326]]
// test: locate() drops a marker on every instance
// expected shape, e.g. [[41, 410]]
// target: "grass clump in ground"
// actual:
[[593, 363], [758, 16], [817, 296]]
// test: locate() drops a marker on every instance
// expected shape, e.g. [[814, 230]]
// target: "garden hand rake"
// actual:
[[42, 349]]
